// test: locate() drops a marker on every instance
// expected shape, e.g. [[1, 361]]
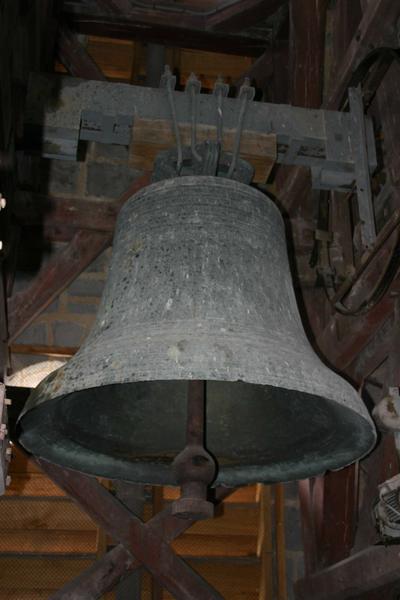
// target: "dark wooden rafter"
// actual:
[[367, 37], [51, 211], [241, 14], [160, 27], [368, 570], [376, 28], [74, 56], [152, 15], [341, 341], [60, 271], [139, 543], [263, 69], [306, 59], [306, 52]]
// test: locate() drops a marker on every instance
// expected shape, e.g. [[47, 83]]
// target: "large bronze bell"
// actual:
[[199, 290]]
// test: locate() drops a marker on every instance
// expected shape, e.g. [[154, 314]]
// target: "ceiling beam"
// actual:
[[242, 14], [152, 16], [169, 32]]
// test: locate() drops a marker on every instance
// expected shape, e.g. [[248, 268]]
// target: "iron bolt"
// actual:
[[8, 480], [3, 202]]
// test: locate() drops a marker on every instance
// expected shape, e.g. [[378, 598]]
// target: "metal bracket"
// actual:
[[97, 127], [361, 164], [193, 89], [5, 448]]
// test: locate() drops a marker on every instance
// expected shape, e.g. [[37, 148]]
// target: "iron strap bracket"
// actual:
[[323, 140]]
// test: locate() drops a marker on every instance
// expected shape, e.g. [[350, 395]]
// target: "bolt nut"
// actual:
[[3, 202], [8, 480]]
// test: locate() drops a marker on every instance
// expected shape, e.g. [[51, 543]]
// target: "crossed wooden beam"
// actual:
[[140, 544]]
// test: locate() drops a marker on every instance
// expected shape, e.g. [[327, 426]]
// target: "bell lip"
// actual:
[[230, 476]]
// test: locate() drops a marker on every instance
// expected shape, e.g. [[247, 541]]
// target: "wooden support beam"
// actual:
[[241, 14], [361, 573], [169, 33], [53, 278], [306, 52], [376, 28], [280, 541], [306, 60], [144, 543], [265, 544], [60, 271], [74, 56], [142, 540], [151, 15], [49, 211], [339, 516]]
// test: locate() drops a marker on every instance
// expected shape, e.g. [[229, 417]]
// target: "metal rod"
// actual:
[[195, 429]]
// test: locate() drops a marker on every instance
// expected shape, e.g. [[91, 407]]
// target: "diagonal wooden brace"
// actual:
[[140, 544]]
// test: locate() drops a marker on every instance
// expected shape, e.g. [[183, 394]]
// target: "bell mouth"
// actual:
[[257, 433]]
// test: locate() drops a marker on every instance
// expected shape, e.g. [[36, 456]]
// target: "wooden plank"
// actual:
[[25, 574], [42, 514], [22, 463], [150, 137], [25, 594], [235, 520], [216, 545], [33, 484], [114, 57], [210, 65], [47, 542], [45, 350], [234, 581]]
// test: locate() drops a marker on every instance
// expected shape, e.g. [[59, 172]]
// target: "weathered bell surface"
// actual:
[[199, 289]]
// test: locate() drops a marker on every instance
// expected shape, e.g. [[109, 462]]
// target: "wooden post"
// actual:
[[265, 544], [280, 541]]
